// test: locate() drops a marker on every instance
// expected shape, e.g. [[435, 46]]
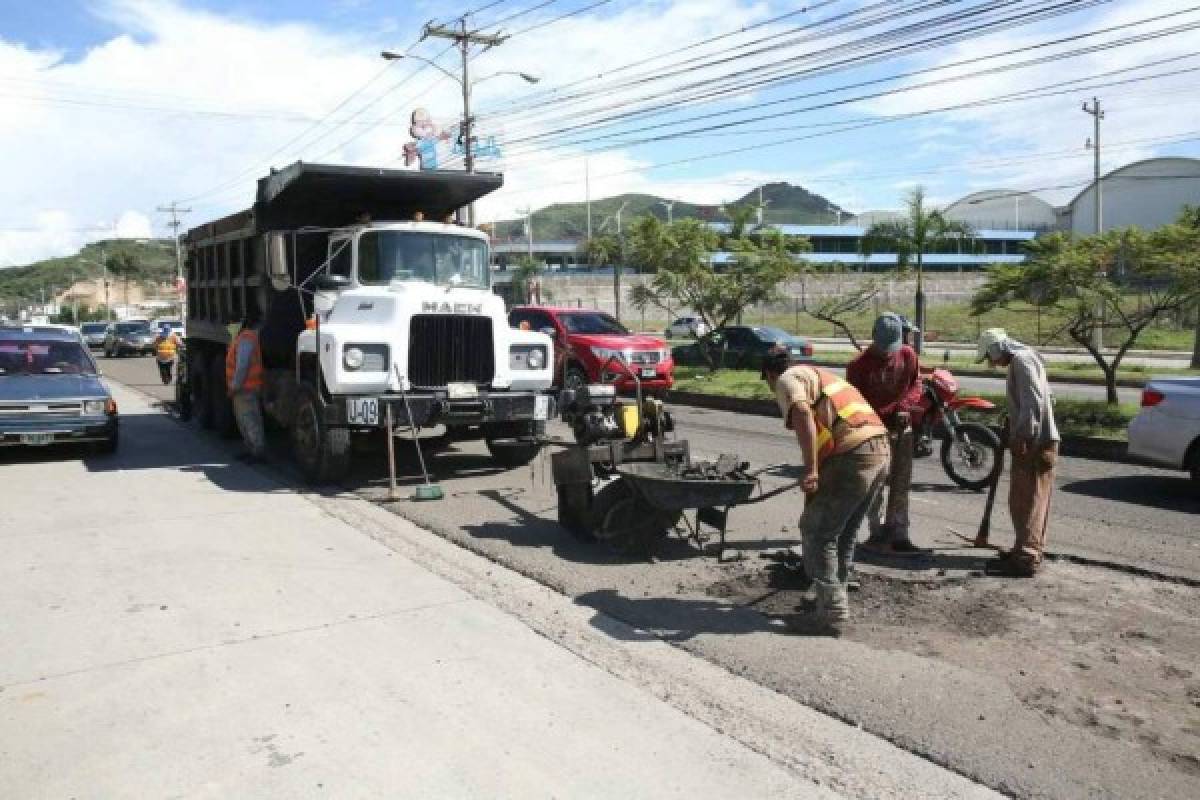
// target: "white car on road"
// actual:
[[1166, 431], [687, 326]]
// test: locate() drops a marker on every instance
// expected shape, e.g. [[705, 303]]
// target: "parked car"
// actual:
[[175, 325], [741, 347], [50, 391], [129, 338], [93, 333], [1166, 432], [687, 326], [592, 347]]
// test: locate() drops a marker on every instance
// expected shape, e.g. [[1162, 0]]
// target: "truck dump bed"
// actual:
[[226, 263]]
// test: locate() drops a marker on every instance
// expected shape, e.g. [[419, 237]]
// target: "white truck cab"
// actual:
[[415, 311]]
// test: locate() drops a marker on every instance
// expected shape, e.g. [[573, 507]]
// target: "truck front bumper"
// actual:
[[438, 408]]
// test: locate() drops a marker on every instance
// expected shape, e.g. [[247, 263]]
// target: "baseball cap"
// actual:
[[987, 340], [888, 332]]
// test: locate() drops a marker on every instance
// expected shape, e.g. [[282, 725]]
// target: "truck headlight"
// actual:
[[352, 358], [93, 408], [527, 356]]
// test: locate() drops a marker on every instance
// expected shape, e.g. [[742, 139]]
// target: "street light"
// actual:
[[465, 83]]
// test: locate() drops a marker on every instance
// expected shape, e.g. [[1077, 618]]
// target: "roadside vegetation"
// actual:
[[1076, 417]]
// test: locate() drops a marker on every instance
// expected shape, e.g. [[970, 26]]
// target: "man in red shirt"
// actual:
[[888, 375]]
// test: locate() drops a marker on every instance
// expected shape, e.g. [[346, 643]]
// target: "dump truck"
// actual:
[[371, 305]]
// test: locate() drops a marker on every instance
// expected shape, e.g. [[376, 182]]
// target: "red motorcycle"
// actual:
[[971, 450]]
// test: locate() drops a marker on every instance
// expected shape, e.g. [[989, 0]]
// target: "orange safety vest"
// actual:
[[254, 375], [165, 347], [848, 405]]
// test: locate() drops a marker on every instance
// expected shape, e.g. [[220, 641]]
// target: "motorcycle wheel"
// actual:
[[972, 457]]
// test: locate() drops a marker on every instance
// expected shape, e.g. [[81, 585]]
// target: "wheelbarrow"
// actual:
[[649, 500]]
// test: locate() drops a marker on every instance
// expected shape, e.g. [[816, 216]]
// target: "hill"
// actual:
[[784, 204], [154, 261]]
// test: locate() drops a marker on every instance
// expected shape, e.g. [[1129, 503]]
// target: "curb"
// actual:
[[1089, 447]]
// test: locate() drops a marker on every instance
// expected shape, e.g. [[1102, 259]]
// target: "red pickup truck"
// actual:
[[592, 347]]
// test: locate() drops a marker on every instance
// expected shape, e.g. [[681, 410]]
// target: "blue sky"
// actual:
[[148, 101]]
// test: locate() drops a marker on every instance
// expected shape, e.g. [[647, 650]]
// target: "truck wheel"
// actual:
[[220, 406], [510, 453], [198, 387], [323, 453]]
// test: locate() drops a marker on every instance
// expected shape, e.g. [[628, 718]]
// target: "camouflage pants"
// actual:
[[247, 411], [846, 487], [890, 523]]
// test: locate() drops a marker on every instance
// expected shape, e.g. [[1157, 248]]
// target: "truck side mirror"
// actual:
[[549, 331], [277, 261], [332, 282]]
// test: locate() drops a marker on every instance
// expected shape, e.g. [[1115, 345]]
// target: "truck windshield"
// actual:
[[443, 259]]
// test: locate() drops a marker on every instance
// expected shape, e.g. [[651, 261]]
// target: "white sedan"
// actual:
[[1166, 431], [687, 326]]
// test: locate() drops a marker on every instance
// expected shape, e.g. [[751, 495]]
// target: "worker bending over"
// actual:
[[845, 450]]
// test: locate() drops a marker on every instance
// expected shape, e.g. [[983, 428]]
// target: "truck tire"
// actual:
[[220, 405], [322, 453], [198, 387], [509, 445]]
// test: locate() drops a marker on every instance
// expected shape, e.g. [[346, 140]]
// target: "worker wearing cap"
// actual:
[[888, 374], [1033, 439], [244, 381], [845, 450]]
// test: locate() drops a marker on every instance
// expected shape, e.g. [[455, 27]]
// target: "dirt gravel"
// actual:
[[1110, 653]]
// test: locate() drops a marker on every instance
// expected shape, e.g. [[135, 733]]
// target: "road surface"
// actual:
[[1081, 682], [179, 624]]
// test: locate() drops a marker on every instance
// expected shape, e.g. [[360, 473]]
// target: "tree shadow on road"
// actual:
[[1151, 491]]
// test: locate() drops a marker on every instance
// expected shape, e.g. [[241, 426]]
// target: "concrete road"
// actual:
[[178, 624], [992, 729]]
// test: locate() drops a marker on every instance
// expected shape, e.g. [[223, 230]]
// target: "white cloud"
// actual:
[[1057, 124], [72, 140]]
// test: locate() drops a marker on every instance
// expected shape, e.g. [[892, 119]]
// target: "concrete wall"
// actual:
[[597, 292]]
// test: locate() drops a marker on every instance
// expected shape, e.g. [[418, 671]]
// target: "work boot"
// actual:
[[831, 609], [905, 547], [1011, 567]]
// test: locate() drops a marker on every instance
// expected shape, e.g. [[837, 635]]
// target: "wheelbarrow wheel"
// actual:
[[625, 523]]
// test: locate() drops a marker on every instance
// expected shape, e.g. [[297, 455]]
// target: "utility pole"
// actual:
[[587, 197], [528, 214], [617, 265], [669, 205], [1097, 114], [463, 39], [761, 207], [174, 210]]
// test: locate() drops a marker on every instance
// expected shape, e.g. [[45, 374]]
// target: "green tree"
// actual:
[[1190, 217], [123, 265], [601, 250], [680, 254], [1119, 281], [922, 230], [524, 278], [739, 217]]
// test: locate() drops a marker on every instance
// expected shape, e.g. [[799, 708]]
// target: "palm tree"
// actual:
[[920, 231]]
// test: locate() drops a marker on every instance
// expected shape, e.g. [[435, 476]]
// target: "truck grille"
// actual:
[[446, 348], [645, 356]]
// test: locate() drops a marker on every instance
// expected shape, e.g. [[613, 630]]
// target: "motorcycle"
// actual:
[[970, 453]]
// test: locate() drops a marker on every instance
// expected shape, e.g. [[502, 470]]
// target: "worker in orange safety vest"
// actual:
[[845, 450], [244, 381], [166, 349]]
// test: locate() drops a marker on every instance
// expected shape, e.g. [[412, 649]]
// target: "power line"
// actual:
[[1137, 39]]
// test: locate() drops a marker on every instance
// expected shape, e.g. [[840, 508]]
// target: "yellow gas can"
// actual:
[[630, 420]]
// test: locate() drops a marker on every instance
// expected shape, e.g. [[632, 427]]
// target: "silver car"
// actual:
[[129, 338], [93, 333]]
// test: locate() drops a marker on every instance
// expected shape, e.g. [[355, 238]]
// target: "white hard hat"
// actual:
[[987, 340]]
